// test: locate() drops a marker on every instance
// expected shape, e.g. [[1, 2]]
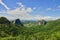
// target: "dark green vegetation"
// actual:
[[31, 31]]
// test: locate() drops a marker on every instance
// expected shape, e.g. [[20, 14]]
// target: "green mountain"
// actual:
[[32, 31]]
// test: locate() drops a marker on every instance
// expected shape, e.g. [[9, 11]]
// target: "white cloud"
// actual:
[[34, 8], [29, 10], [22, 13], [39, 17], [59, 6], [20, 4], [14, 14], [4, 4], [48, 9]]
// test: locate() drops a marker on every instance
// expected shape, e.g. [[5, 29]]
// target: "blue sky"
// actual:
[[30, 9]]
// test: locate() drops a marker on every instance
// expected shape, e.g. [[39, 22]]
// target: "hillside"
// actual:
[[50, 31]]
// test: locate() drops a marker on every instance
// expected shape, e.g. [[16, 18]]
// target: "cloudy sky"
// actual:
[[30, 9]]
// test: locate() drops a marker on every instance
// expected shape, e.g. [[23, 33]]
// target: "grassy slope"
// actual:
[[50, 31]]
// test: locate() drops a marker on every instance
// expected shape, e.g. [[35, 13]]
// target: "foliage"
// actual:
[[32, 31]]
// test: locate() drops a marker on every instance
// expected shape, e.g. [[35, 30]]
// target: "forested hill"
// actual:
[[49, 31]]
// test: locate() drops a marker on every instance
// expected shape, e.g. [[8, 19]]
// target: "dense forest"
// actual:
[[29, 31]]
